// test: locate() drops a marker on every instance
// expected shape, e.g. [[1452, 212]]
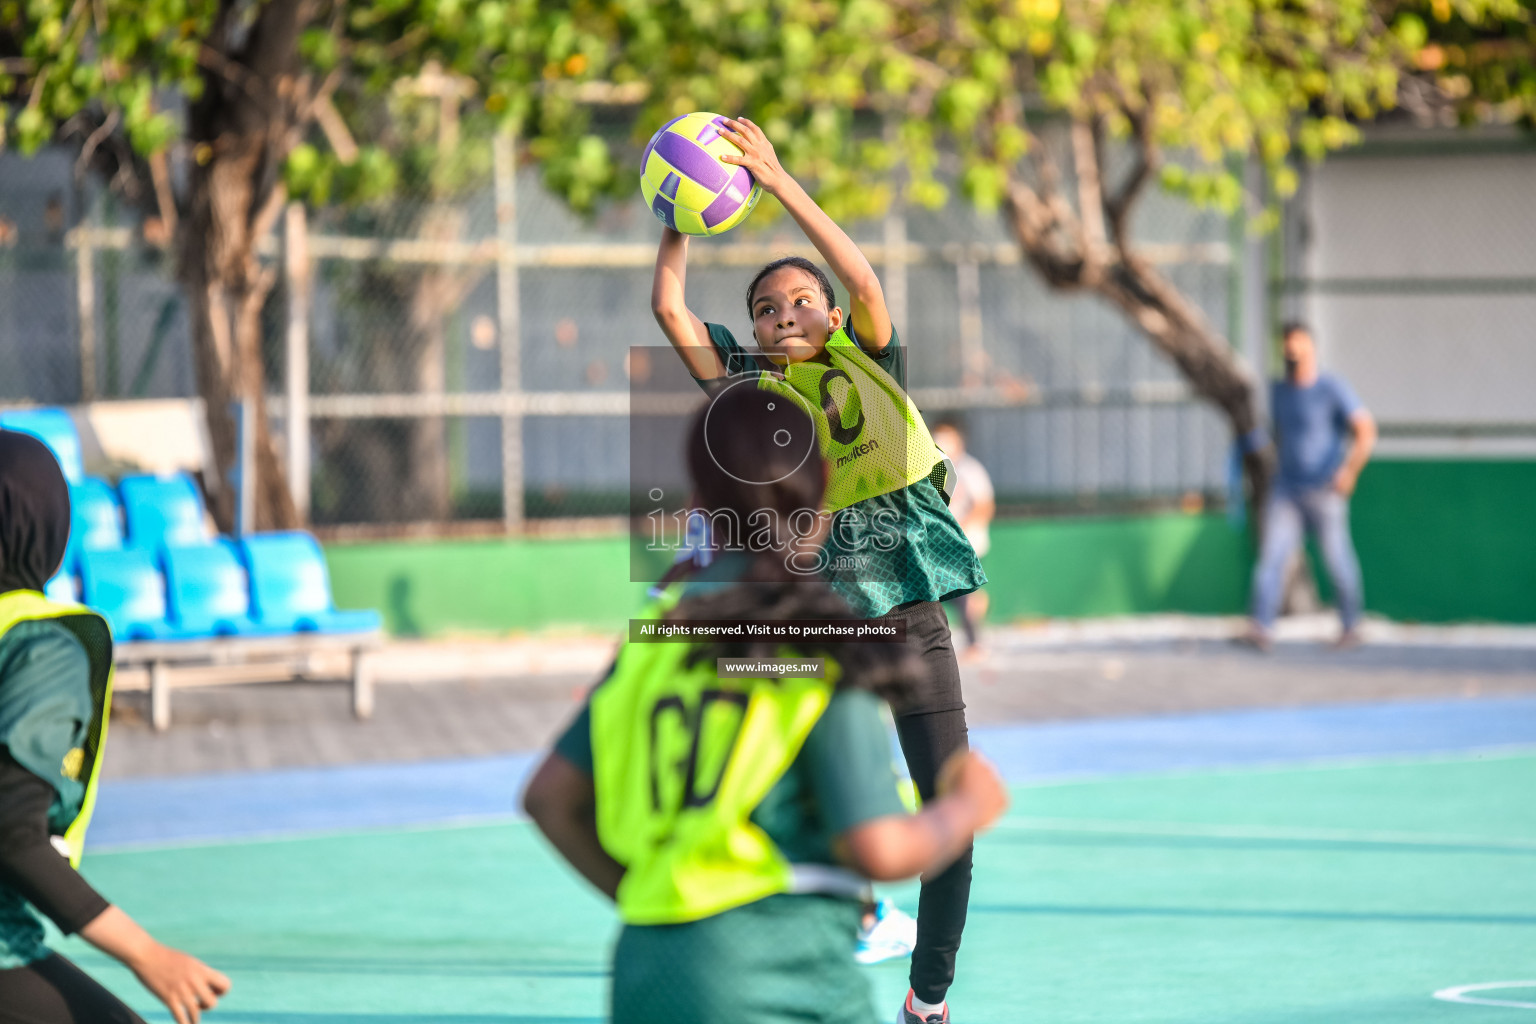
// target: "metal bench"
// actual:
[[161, 665]]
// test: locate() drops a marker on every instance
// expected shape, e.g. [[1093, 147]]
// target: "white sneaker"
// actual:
[[893, 934]]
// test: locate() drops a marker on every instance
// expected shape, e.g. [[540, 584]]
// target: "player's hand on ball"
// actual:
[[181, 981], [970, 777], [757, 154]]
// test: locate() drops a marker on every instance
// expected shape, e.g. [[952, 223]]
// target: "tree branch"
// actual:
[[1090, 195], [1118, 205], [1039, 234], [265, 210], [105, 149], [88, 149], [335, 129], [160, 175], [1062, 235], [272, 45], [232, 72]]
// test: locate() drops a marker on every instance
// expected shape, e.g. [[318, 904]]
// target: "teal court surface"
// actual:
[[1341, 864]]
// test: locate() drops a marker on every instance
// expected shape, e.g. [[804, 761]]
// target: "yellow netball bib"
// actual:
[[81, 763], [680, 761], [872, 436]]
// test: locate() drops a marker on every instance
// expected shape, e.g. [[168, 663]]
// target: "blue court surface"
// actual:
[[295, 802], [1343, 864]]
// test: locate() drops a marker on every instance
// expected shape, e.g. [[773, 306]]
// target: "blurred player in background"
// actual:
[[55, 691], [1325, 437], [736, 821], [973, 504], [882, 462]]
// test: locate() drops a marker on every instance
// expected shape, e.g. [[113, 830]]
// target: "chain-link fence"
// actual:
[[465, 367]]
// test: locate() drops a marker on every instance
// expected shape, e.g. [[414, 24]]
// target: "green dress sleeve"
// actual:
[[45, 706], [737, 360], [575, 744], [891, 359], [848, 763]]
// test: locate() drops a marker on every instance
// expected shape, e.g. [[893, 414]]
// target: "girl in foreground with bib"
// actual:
[[55, 697], [894, 551], [736, 821]]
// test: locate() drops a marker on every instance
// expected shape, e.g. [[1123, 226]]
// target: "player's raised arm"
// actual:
[[871, 320], [685, 331]]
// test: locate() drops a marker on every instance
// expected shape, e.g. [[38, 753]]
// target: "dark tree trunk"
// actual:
[[241, 131], [1178, 330]]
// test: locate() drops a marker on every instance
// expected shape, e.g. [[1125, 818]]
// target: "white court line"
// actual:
[[1203, 831], [447, 824], [1458, 994]]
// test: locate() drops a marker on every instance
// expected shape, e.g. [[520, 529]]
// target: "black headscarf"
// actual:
[[34, 512]]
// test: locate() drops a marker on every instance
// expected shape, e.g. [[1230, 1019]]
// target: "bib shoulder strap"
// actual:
[[18, 606]]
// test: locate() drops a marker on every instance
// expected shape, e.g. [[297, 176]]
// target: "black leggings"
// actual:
[[931, 727], [55, 991]]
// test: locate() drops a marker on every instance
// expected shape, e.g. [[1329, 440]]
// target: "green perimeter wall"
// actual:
[[1446, 541], [1438, 541]]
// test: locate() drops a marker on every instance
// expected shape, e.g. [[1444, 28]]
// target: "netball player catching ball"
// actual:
[[894, 549], [737, 821]]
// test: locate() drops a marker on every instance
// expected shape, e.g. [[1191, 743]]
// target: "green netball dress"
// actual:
[[880, 456], [55, 695], [722, 798]]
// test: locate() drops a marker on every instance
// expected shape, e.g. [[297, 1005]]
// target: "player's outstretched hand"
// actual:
[[971, 778], [757, 153], [181, 981]]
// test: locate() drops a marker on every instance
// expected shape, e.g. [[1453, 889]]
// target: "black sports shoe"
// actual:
[[910, 1016]]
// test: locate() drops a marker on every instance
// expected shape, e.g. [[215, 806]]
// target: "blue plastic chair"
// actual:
[[126, 587], [209, 591], [54, 428], [61, 588], [291, 590], [96, 520], [163, 511]]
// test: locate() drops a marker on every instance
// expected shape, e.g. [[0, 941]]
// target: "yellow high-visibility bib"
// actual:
[[872, 436], [680, 761], [95, 635]]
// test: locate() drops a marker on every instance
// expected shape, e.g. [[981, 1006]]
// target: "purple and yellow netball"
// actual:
[[686, 184]]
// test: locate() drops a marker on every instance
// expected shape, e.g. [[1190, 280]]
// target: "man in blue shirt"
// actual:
[[1316, 416]]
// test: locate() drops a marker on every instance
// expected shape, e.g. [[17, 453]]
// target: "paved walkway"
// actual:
[[471, 699]]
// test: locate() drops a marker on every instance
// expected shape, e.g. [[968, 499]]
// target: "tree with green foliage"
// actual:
[[205, 111], [1023, 104], [1018, 104], [1477, 66]]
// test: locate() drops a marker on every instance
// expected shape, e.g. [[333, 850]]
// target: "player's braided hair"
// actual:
[[795, 482], [801, 263]]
